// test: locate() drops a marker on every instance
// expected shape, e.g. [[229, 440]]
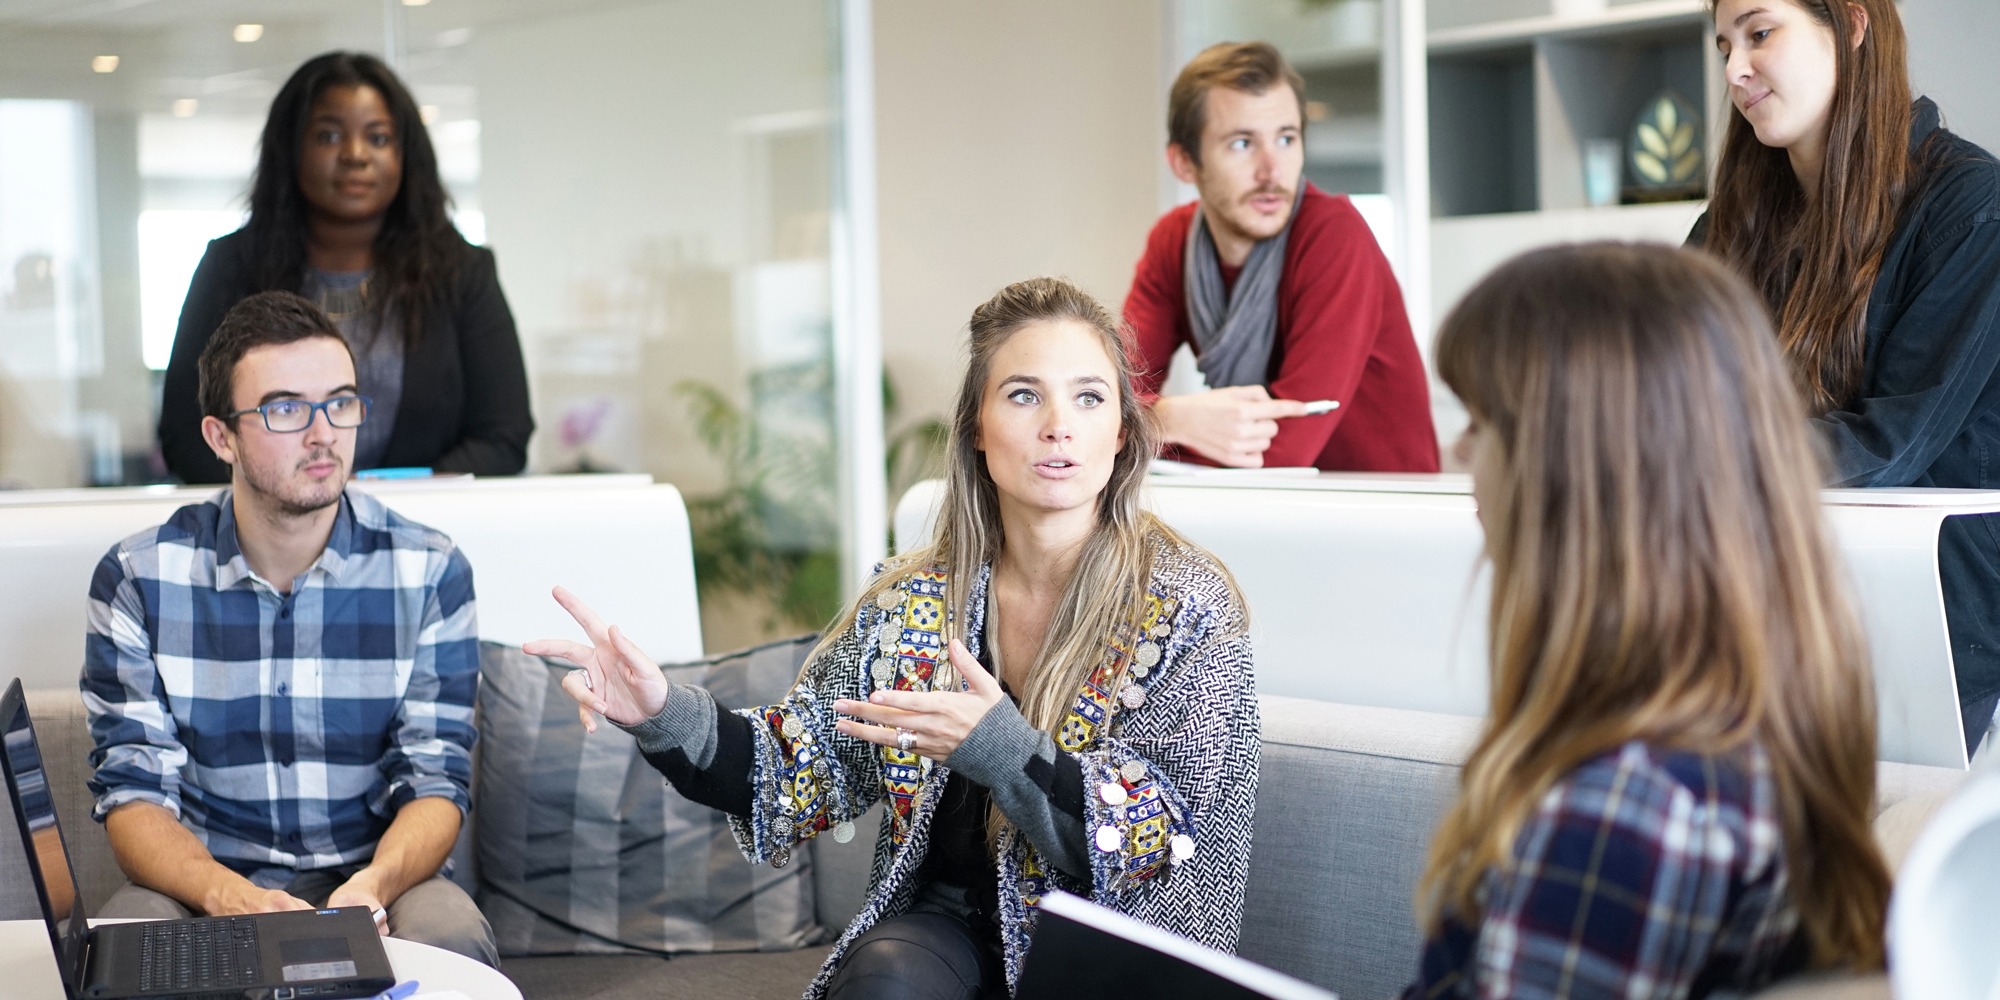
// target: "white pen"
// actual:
[[1319, 406]]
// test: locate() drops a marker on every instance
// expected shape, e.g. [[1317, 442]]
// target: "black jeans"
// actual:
[[921, 955]]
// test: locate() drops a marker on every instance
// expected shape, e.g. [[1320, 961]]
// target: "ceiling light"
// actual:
[[247, 33], [429, 113], [104, 64], [415, 3], [185, 107]]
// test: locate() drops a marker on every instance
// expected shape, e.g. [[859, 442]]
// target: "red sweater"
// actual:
[[1342, 334]]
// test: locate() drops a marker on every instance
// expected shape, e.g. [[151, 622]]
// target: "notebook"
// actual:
[[1082, 949], [298, 955]]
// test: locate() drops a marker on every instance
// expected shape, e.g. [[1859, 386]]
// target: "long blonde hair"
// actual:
[[1661, 571], [1105, 592]]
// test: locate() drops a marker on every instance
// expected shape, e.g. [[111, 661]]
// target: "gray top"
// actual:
[[378, 355], [995, 754]]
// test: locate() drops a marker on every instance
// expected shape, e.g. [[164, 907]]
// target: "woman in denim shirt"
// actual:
[[1874, 235]]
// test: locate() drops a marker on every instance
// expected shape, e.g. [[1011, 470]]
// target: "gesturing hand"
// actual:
[[1232, 426], [615, 680], [937, 721]]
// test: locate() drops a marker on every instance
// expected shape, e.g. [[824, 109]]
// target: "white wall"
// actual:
[[1953, 44], [1014, 139]]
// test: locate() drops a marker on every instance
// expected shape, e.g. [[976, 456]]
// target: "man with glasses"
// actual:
[[280, 679]]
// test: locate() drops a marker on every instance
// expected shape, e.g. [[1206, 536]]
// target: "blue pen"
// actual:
[[398, 991], [395, 472]]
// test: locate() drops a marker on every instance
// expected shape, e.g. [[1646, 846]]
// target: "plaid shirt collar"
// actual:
[[232, 568]]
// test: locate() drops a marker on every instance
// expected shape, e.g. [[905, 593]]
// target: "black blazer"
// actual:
[[464, 406]]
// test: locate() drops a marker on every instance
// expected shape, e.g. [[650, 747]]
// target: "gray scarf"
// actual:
[[1234, 330]]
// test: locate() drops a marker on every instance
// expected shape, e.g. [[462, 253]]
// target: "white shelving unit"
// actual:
[[1512, 102], [1517, 87]]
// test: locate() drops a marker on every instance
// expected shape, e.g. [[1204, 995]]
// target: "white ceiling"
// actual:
[[175, 49], [141, 14]]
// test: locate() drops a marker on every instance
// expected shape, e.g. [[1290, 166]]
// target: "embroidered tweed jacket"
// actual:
[[1170, 718]]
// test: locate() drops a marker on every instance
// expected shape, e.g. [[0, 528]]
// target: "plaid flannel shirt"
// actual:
[[1644, 873], [284, 730]]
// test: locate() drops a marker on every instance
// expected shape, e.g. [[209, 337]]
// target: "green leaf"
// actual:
[[1650, 138], [1683, 140], [1649, 167], [1685, 167]]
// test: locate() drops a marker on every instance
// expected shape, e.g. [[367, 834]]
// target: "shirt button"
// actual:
[[284, 762], [293, 837], [284, 688]]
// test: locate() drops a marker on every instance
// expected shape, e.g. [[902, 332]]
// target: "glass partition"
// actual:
[[656, 179]]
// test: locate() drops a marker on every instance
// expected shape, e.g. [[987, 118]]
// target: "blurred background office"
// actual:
[[740, 240]]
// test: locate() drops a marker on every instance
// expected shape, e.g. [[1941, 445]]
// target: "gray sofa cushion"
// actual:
[[63, 730], [781, 976], [1345, 807], [584, 849]]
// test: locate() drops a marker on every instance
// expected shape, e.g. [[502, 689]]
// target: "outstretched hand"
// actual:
[[938, 721], [614, 679]]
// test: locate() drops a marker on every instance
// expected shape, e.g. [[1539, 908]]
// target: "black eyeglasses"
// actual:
[[290, 416]]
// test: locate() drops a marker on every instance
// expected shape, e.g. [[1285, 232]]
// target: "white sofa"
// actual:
[[620, 542], [1366, 590], [1349, 795]]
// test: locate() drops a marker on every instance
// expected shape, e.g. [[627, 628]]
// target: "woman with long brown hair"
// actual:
[[1873, 234], [1055, 692], [1672, 792]]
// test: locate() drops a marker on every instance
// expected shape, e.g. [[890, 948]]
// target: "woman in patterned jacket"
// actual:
[[1056, 693], [1671, 797]]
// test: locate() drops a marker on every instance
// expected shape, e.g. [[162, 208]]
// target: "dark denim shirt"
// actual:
[[1929, 410]]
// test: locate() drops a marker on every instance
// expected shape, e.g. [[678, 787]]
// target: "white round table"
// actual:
[[28, 964], [439, 971]]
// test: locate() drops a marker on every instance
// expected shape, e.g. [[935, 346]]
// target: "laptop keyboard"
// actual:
[[196, 955]]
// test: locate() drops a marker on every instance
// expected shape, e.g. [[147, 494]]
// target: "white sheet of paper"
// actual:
[[1169, 467]]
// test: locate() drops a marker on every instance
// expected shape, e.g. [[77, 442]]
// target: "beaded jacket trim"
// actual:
[[1165, 730]]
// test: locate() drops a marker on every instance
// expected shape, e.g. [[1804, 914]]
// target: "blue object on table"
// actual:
[[398, 991], [397, 472]]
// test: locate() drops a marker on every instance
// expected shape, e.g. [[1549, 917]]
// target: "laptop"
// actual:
[[1081, 949], [296, 955]]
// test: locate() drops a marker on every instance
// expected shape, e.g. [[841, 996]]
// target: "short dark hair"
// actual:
[[262, 319], [1251, 67]]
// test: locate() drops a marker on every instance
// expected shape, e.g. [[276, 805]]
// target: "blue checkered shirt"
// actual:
[[284, 730], [1644, 873]]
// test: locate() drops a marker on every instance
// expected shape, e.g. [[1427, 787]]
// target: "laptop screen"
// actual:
[[41, 839]]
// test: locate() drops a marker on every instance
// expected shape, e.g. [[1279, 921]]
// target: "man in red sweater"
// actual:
[[1278, 286]]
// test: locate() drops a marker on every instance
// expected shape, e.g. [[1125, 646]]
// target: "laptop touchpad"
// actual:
[[315, 958]]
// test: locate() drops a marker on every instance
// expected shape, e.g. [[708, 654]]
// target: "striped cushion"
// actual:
[[583, 848]]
